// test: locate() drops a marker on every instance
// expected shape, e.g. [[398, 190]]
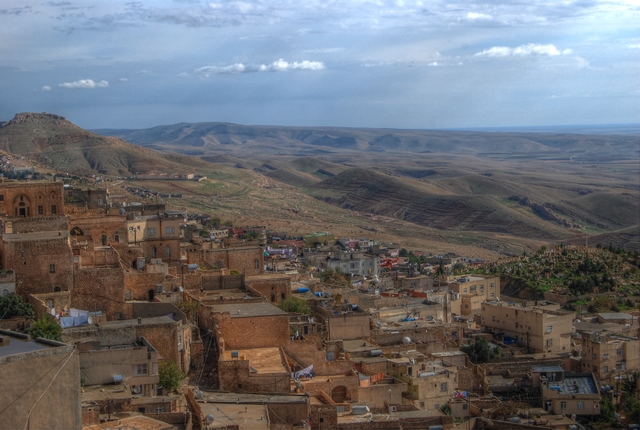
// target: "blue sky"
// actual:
[[399, 64]]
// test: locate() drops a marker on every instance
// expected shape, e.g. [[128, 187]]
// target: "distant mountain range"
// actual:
[[204, 139]]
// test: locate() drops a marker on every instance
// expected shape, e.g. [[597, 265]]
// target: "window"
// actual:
[[464, 406], [621, 366], [167, 251], [595, 368], [491, 295], [140, 369], [54, 210], [465, 290], [155, 368], [179, 339], [159, 409], [563, 405], [40, 210], [443, 386], [490, 285], [473, 288], [466, 306], [619, 352], [594, 356], [581, 405], [127, 295], [256, 264], [605, 369], [52, 268], [549, 328], [5, 293], [549, 343], [482, 288], [151, 231], [605, 357], [1, 197], [422, 404], [169, 230]]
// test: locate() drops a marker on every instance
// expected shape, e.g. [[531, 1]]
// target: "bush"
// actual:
[[46, 327], [295, 305], [170, 375]]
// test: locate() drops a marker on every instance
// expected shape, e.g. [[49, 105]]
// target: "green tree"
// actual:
[[480, 351], [12, 305], [170, 375], [295, 305], [189, 308], [46, 327]]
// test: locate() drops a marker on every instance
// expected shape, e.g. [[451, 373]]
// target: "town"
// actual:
[[120, 313]]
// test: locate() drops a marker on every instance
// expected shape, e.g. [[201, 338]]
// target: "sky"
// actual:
[[360, 63]]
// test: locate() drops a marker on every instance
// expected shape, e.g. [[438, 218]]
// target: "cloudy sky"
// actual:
[[380, 63]]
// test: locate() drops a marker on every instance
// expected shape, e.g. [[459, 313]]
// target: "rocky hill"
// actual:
[[54, 142]]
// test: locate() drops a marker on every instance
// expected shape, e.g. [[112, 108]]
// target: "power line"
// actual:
[[47, 389]]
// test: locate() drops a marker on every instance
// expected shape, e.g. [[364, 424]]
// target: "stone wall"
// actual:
[[253, 332], [274, 288], [28, 199], [307, 353], [348, 326], [235, 376], [246, 260], [100, 290], [41, 263]]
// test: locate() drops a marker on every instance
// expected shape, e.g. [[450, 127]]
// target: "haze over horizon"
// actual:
[[380, 64]]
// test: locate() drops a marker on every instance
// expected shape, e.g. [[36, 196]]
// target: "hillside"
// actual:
[[54, 142]]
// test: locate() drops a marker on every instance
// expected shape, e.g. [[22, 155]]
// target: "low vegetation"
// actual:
[[336, 278], [47, 328], [480, 351], [571, 271], [295, 305]]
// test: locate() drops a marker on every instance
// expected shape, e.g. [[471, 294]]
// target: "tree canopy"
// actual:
[[480, 351], [12, 305], [170, 375], [46, 327]]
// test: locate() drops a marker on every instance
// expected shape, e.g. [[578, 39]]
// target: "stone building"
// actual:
[[541, 328], [40, 383], [353, 263], [566, 392], [248, 260], [21, 199], [475, 285], [430, 384]]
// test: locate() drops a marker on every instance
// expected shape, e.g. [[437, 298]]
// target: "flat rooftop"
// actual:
[[577, 385], [246, 310], [358, 345], [144, 321], [140, 422], [20, 346], [245, 398], [263, 360], [615, 316], [38, 235], [232, 293], [247, 417]]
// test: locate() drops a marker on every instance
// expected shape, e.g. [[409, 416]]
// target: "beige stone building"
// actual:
[[608, 355], [475, 285], [540, 328], [567, 392]]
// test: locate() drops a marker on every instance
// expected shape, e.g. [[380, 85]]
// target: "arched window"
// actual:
[[116, 238], [154, 252], [56, 289], [104, 240], [167, 251]]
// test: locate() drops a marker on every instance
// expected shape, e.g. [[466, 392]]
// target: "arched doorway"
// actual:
[[104, 240], [76, 231], [151, 295], [339, 394]]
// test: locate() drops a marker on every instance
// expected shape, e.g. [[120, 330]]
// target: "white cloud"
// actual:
[[434, 64], [123, 80], [84, 83], [183, 75], [323, 50], [474, 16], [277, 66], [634, 46], [523, 51], [45, 88]]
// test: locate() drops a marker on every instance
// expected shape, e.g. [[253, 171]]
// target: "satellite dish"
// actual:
[[137, 389], [90, 320], [209, 419], [199, 394], [122, 211], [406, 340]]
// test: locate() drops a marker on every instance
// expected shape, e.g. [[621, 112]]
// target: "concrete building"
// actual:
[[40, 383], [130, 361], [541, 328], [566, 392], [609, 355], [353, 263], [475, 285]]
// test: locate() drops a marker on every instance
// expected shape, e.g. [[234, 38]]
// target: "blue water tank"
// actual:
[[302, 290], [192, 266]]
